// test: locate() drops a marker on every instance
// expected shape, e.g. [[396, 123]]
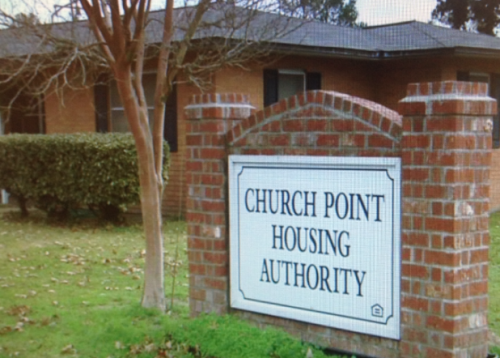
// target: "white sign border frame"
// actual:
[[393, 167]]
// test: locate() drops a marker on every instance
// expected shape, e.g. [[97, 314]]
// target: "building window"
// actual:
[[280, 84], [101, 101], [118, 121], [110, 114], [27, 116], [493, 80]]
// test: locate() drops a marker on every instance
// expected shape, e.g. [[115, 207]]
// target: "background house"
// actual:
[[375, 63]]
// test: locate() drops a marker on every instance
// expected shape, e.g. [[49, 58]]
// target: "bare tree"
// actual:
[[192, 41]]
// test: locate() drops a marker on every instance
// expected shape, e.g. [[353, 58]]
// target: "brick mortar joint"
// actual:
[[220, 105], [338, 115], [442, 97]]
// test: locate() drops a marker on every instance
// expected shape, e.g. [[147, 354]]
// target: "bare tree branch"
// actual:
[[163, 88], [189, 44]]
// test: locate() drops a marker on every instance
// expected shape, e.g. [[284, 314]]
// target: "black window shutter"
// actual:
[[313, 81], [270, 87], [462, 76], [101, 102], [495, 93], [170, 128]]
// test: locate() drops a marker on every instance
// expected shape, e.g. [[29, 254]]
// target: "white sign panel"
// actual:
[[317, 239]]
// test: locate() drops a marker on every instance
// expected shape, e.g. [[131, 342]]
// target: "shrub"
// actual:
[[60, 172]]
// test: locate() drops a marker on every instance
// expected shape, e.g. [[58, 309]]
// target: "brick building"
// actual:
[[375, 63]]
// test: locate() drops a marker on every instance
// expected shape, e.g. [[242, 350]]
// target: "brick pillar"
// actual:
[[446, 153], [209, 119]]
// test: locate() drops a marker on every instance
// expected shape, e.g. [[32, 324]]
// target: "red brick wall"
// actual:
[[450, 70], [70, 111], [318, 123], [175, 196], [446, 154], [495, 180], [352, 77], [393, 77], [445, 149], [382, 82]]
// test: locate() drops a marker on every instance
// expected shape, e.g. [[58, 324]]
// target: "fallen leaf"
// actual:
[[45, 321], [309, 353], [5, 330], [19, 327], [19, 310], [69, 349], [162, 354], [150, 347], [135, 349], [119, 345]]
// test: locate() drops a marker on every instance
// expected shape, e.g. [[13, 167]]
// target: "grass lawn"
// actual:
[[494, 280], [74, 290]]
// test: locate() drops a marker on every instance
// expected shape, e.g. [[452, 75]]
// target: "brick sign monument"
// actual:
[[343, 222]]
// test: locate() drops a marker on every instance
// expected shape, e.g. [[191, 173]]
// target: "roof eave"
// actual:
[[380, 55], [357, 54], [318, 51], [477, 53]]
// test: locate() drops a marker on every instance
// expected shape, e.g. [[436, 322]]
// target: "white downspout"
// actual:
[[4, 195]]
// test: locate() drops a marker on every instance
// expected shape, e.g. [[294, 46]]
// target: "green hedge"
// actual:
[[60, 172]]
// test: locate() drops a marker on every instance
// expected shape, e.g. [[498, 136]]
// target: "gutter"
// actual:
[[374, 55], [381, 55]]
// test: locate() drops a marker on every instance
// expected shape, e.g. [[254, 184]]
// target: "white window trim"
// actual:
[[148, 72], [481, 74], [121, 108], [287, 71]]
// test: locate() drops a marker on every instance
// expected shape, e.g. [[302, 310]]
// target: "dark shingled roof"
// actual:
[[394, 40], [414, 35]]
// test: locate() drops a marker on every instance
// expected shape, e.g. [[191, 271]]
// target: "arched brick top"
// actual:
[[322, 104], [322, 123], [219, 106]]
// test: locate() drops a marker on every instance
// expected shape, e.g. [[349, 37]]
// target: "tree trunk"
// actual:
[[154, 291], [21, 201], [151, 187]]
